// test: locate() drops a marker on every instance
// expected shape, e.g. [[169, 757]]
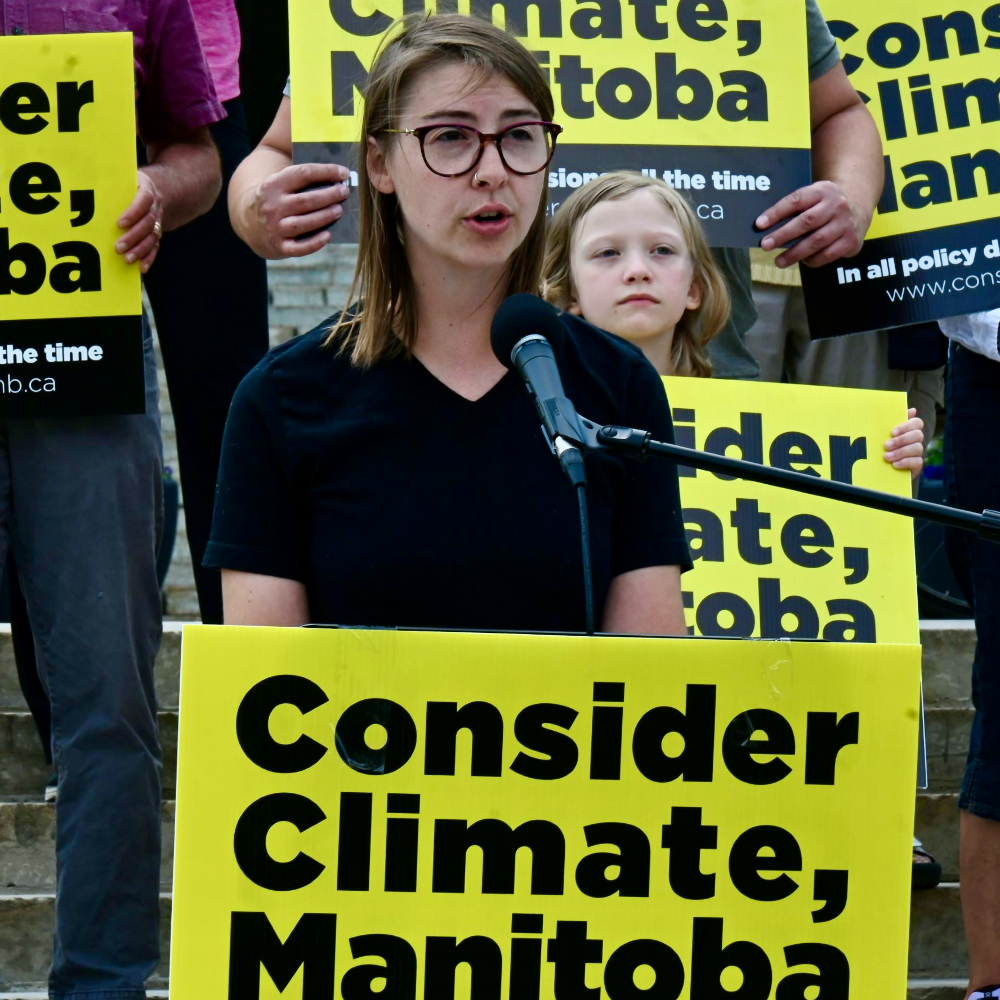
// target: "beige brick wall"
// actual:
[[302, 292]]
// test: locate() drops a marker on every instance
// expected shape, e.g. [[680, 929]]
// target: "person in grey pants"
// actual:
[[81, 509]]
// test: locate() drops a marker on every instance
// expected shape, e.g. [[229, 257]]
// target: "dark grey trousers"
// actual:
[[81, 502]]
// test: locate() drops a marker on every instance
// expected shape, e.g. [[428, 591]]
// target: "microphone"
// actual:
[[524, 331]]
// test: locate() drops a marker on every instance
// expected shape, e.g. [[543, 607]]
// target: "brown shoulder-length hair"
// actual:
[[380, 319], [697, 326]]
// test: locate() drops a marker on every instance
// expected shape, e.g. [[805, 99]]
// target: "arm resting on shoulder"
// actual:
[[645, 601], [268, 204], [254, 599]]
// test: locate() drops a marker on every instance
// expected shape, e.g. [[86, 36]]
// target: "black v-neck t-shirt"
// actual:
[[398, 502]]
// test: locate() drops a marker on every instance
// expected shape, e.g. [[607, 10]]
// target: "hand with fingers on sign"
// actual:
[[905, 448], [143, 224], [291, 209], [830, 217], [824, 220]]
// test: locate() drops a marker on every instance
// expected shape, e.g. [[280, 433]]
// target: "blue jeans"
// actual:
[[81, 505], [972, 476]]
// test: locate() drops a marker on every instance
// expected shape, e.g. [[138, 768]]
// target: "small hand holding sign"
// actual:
[[905, 449]]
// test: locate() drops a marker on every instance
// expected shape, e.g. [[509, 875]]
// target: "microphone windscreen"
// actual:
[[521, 315]]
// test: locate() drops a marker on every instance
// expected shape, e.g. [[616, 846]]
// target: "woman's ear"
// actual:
[[378, 169], [573, 308]]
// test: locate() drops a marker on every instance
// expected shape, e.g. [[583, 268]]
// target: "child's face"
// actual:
[[631, 269]]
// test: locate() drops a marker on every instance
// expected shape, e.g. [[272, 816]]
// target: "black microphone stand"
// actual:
[[640, 444], [590, 436]]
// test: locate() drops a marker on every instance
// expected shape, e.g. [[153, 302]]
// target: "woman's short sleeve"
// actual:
[[257, 527], [648, 526]]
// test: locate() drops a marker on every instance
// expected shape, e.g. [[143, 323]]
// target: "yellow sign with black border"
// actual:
[[70, 307], [448, 816], [712, 96]]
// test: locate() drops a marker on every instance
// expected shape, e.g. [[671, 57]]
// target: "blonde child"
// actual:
[[627, 253]]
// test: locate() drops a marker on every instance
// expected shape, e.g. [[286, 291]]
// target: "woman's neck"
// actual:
[[659, 351], [455, 309]]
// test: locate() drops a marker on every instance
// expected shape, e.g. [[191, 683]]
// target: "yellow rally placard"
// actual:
[[368, 814], [776, 563], [928, 73], [67, 123], [70, 307], [713, 97]]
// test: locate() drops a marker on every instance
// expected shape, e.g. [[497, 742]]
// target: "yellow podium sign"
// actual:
[[780, 564], [449, 815]]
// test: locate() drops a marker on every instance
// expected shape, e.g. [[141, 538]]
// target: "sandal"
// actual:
[[926, 869]]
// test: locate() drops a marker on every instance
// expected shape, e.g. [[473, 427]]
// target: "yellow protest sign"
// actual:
[[448, 815], [713, 97], [70, 308], [772, 562], [929, 76]]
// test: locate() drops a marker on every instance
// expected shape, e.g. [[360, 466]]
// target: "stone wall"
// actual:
[[302, 293]]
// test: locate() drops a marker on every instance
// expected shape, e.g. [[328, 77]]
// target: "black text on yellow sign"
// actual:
[[70, 308], [712, 97], [929, 76], [779, 563], [446, 816]]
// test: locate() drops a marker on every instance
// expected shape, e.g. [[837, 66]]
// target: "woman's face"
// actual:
[[631, 268], [458, 220]]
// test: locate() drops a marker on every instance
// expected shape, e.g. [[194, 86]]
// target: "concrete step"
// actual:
[[929, 989], [26, 921], [947, 746], [36, 991], [916, 989], [937, 937], [937, 828], [948, 648], [167, 669], [23, 770], [307, 295], [341, 255], [937, 943], [302, 318], [947, 661], [27, 836], [27, 844]]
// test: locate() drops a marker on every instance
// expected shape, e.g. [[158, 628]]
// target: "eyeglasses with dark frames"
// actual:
[[451, 150]]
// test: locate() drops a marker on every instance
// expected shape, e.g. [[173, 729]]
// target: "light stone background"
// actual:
[[302, 292]]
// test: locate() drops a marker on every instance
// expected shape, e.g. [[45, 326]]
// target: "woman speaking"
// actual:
[[390, 471]]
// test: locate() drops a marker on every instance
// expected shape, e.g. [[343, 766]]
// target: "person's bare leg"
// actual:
[[980, 879]]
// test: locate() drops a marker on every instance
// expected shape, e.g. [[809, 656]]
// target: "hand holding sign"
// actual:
[[296, 202], [143, 220], [905, 449], [823, 220]]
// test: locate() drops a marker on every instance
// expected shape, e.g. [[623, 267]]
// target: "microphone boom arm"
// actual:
[[640, 444]]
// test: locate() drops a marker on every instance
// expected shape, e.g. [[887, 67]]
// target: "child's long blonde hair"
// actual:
[[697, 326]]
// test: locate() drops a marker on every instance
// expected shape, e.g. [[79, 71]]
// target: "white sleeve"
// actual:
[[979, 332]]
